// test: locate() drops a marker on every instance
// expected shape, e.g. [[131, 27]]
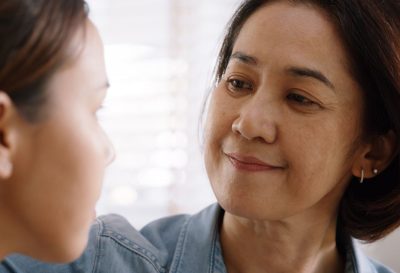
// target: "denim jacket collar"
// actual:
[[200, 235]]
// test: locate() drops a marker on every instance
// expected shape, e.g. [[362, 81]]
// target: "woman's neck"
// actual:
[[294, 245], [12, 237]]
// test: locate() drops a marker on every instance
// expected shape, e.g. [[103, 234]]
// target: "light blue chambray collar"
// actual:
[[198, 248], [358, 260]]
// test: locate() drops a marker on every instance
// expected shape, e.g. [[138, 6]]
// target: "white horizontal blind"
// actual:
[[160, 55]]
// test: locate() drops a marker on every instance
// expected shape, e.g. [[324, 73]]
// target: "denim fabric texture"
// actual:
[[177, 244]]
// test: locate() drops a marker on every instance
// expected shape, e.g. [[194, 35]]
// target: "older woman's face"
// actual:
[[283, 122]]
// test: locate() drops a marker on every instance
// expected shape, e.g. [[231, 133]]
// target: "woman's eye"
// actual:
[[236, 85], [299, 99]]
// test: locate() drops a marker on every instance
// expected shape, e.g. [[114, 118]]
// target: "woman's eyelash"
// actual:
[[301, 100], [235, 84]]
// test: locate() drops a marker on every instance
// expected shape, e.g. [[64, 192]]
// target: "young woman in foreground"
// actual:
[[52, 150], [301, 148]]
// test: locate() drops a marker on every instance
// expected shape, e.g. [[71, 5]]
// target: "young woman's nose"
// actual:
[[257, 120]]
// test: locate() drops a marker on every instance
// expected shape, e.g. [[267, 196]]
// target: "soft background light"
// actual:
[[160, 56]]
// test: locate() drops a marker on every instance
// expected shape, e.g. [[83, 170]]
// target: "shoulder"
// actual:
[[114, 246], [150, 247]]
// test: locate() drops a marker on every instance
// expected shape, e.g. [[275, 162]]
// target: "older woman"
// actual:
[[301, 148], [52, 150]]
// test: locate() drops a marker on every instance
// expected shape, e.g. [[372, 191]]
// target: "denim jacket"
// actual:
[[178, 244]]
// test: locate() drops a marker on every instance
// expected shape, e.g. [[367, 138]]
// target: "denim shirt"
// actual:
[[177, 244]]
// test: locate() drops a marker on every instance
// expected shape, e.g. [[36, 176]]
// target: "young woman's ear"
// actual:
[[376, 156], [7, 112]]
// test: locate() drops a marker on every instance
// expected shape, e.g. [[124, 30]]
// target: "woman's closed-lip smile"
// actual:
[[249, 163]]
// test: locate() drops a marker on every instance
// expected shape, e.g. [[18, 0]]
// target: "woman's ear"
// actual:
[[6, 116], [376, 155]]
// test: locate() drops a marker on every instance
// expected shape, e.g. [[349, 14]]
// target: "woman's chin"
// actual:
[[239, 208], [251, 210]]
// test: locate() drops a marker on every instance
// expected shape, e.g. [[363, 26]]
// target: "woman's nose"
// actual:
[[256, 120]]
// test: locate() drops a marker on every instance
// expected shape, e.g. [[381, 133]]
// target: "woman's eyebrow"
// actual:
[[310, 73], [292, 70], [244, 58]]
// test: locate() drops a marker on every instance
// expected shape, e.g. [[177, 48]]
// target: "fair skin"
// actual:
[[282, 141], [51, 170]]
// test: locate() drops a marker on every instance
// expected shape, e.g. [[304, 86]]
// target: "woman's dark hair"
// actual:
[[35, 36], [370, 31]]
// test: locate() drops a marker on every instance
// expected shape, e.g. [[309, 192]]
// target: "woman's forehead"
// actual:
[[287, 34]]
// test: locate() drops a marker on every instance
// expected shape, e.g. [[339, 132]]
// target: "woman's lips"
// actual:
[[94, 214], [249, 163]]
